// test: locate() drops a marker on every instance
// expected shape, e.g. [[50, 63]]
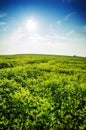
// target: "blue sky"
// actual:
[[43, 27]]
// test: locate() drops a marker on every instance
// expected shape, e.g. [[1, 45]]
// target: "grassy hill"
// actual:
[[42, 92]]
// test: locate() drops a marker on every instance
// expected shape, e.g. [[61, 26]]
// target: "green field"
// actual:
[[42, 92]]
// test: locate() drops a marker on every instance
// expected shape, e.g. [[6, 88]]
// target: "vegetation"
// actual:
[[42, 92]]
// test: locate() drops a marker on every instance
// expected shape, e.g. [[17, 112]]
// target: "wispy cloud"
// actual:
[[3, 23], [2, 15], [51, 29], [70, 33], [63, 1], [3, 26], [23, 41], [69, 1], [84, 28], [69, 15], [59, 22]]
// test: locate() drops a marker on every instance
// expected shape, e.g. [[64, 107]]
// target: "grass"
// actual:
[[42, 92]]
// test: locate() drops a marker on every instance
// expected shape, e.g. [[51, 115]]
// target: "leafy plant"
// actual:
[[42, 92]]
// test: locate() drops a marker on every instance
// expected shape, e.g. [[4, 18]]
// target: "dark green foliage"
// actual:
[[40, 92]]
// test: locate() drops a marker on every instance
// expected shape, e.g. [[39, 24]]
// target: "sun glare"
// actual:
[[31, 25]]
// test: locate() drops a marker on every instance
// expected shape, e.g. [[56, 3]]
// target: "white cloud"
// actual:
[[2, 15], [84, 28], [4, 29], [3, 26], [69, 15], [70, 33], [2, 23], [59, 22], [51, 29], [23, 41]]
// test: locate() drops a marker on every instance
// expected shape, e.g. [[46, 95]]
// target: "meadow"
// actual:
[[42, 92]]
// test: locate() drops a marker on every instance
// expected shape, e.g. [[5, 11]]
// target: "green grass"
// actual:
[[42, 92]]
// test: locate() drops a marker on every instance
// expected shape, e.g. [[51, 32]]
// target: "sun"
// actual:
[[31, 25]]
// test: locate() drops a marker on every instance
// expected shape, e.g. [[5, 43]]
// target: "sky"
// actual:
[[43, 27]]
